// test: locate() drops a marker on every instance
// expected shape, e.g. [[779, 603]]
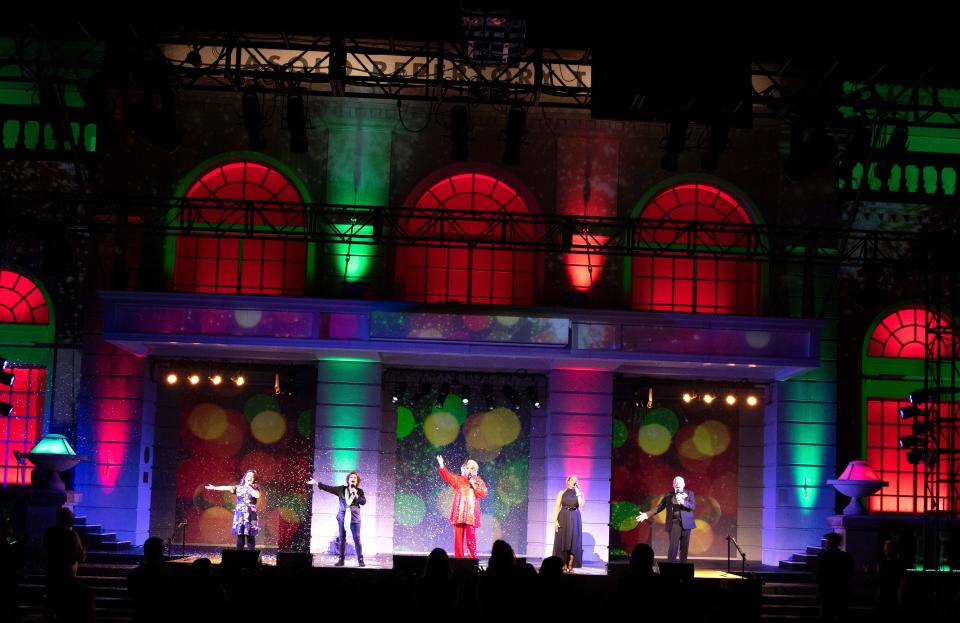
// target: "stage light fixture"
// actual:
[[673, 144], [911, 441], [688, 397], [532, 395], [239, 380], [918, 397], [4, 363], [193, 379], [399, 392], [253, 119], [284, 384], [917, 455], [7, 378], [442, 394], [730, 399], [511, 395], [752, 401], [216, 379], [488, 397], [6, 409], [516, 129], [171, 378], [460, 132], [708, 398], [909, 412], [297, 121], [465, 394]]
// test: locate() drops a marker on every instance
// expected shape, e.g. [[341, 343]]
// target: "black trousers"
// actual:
[[679, 541], [355, 529]]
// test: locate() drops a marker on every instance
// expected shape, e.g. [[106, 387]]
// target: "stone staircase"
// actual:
[[108, 580], [802, 561], [96, 538]]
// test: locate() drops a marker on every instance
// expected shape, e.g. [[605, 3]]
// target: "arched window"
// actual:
[[713, 282], [242, 257], [892, 367], [905, 333], [21, 301], [461, 273], [25, 318]]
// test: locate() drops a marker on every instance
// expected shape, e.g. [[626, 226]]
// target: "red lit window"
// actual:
[[713, 282], [497, 277], [238, 263], [21, 301], [905, 333], [23, 427]]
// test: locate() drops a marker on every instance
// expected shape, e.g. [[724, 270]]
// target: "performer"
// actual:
[[351, 496], [468, 490], [245, 524], [679, 505], [568, 542]]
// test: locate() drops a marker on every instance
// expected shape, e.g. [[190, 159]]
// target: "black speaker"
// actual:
[[245, 559], [464, 564], [409, 563], [294, 561], [676, 571]]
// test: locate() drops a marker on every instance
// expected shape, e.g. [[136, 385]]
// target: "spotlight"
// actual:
[[171, 378], [6, 409], [284, 384], [488, 397], [511, 395], [717, 142], [911, 441], [918, 455], [708, 398], [687, 397], [516, 128], [253, 119], [239, 380], [911, 412], [422, 391], [193, 379], [216, 379], [442, 394], [465, 394], [752, 401], [4, 363], [399, 392], [297, 122], [460, 132], [672, 144], [918, 397], [532, 395], [730, 399], [6, 378]]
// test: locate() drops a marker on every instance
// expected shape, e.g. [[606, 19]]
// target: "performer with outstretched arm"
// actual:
[[245, 524], [351, 496], [468, 490], [679, 505]]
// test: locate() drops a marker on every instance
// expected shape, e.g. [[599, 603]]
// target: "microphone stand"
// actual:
[[743, 562]]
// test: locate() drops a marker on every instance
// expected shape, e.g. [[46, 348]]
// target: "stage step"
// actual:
[[97, 538]]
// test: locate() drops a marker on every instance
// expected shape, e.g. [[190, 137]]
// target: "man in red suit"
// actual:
[[468, 490]]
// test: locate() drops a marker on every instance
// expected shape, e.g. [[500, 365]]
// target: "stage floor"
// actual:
[[703, 568]]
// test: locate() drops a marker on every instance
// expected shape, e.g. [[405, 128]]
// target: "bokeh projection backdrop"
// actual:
[[226, 430], [493, 429], [652, 445]]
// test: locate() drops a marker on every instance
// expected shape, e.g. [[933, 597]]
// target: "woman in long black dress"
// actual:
[[568, 543]]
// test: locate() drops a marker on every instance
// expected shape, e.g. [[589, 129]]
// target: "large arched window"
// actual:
[[893, 366], [25, 319], [459, 272], [217, 257], [713, 281]]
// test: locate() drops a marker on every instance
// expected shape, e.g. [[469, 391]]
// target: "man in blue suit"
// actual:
[[679, 505]]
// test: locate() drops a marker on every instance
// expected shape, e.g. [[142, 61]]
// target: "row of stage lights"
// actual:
[[729, 398], [6, 378], [512, 398], [193, 379]]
